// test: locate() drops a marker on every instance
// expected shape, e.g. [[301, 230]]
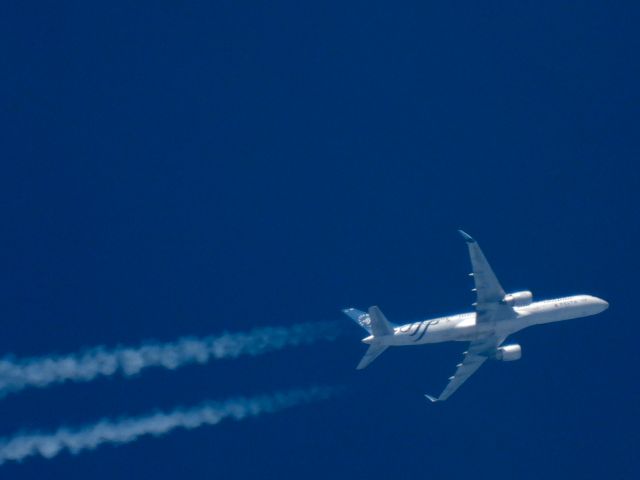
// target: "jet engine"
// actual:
[[518, 299], [508, 353]]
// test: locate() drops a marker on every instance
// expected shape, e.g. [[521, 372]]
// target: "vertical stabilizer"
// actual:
[[378, 327], [360, 317]]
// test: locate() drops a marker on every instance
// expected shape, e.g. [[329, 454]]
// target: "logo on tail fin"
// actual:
[[364, 320]]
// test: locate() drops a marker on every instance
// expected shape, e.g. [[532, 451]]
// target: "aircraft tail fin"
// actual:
[[377, 325], [374, 351], [373, 322], [360, 317]]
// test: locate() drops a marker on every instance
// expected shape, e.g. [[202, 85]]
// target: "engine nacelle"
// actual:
[[508, 353], [518, 299]]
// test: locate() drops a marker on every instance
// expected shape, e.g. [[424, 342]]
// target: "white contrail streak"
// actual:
[[39, 372], [126, 430]]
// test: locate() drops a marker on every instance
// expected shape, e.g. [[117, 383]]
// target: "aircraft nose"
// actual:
[[602, 303]]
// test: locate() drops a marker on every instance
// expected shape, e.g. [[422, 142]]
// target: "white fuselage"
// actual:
[[463, 327]]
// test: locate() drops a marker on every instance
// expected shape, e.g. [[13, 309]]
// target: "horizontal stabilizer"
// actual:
[[380, 326], [374, 351]]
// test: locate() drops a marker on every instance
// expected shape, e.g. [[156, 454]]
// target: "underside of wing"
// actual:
[[489, 293], [477, 353]]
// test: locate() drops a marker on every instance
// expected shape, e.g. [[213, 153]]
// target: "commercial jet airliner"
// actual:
[[497, 315]]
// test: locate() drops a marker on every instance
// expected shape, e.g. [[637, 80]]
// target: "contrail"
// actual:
[[39, 372], [127, 430]]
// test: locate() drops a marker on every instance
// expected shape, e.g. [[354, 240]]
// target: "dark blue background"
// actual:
[[173, 169]]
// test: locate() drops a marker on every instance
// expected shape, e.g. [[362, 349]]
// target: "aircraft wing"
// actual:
[[474, 357], [489, 292]]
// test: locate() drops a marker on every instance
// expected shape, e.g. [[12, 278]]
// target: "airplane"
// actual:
[[497, 315]]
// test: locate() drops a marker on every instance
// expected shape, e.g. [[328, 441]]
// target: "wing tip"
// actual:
[[433, 399], [467, 238]]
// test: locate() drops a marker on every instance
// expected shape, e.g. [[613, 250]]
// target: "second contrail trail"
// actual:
[[89, 437], [40, 372]]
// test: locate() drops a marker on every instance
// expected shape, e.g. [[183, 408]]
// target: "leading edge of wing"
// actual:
[[489, 292]]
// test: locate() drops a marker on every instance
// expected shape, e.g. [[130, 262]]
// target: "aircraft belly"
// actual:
[[448, 334], [435, 337], [447, 329], [554, 315]]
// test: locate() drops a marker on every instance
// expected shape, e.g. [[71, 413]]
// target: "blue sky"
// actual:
[[185, 169]]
